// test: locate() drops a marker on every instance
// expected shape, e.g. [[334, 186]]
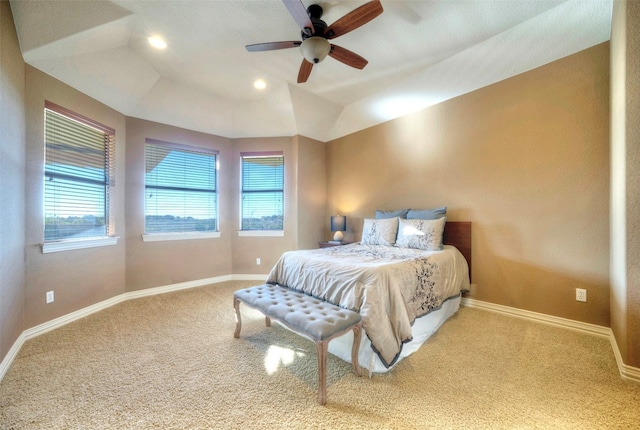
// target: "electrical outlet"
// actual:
[[258, 262], [581, 294], [50, 297]]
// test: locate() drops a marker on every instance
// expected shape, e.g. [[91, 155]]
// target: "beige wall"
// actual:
[[526, 160], [83, 277], [312, 195], [625, 183], [154, 264], [245, 250], [633, 184], [12, 163]]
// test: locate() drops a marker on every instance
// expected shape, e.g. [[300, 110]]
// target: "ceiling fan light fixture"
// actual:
[[315, 49]]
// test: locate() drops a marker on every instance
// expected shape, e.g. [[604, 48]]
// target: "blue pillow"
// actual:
[[400, 213], [427, 213]]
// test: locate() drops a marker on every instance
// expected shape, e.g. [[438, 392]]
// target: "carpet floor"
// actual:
[[170, 362]]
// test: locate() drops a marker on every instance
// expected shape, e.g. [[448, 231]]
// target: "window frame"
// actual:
[[255, 232], [184, 235], [65, 244]]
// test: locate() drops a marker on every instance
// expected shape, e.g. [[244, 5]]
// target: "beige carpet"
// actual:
[[171, 362]]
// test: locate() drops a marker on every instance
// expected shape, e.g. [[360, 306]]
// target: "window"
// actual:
[[181, 193], [262, 191], [78, 180]]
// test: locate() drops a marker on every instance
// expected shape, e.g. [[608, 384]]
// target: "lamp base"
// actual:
[[338, 236]]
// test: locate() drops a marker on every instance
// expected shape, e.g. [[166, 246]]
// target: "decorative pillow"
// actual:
[[423, 234], [427, 213], [379, 231], [400, 213]]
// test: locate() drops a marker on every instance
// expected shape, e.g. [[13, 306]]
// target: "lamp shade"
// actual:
[[315, 49], [338, 223]]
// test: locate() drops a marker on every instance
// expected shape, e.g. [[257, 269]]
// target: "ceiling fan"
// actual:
[[315, 45]]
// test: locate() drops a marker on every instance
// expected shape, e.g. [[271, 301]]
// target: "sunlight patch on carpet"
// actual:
[[277, 356]]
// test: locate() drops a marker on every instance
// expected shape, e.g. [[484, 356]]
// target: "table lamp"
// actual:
[[338, 224]]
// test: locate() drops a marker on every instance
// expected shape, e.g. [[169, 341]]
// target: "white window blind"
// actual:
[[180, 188], [262, 191], [78, 176]]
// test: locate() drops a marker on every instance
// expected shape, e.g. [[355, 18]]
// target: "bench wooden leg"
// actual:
[[357, 334], [321, 346], [236, 306]]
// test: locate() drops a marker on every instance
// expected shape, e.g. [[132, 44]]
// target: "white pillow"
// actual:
[[423, 234], [379, 231]]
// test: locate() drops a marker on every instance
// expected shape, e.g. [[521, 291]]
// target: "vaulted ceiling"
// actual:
[[420, 53]]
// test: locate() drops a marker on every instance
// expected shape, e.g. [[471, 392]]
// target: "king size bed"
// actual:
[[405, 278]]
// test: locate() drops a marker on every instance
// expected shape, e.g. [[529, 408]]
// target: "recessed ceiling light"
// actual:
[[260, 84], [157, 42]]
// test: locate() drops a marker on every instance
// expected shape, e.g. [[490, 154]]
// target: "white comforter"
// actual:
[[389, 286]]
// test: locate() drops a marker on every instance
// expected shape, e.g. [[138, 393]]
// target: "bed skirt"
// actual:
[[422, 328]]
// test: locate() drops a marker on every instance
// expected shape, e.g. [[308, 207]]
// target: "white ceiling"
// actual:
[[420, 53]]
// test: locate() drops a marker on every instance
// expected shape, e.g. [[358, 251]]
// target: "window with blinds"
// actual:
[[181, 193], [262, 191], [78, 176]]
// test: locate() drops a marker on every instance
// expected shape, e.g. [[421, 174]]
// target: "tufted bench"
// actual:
[[316, 319]]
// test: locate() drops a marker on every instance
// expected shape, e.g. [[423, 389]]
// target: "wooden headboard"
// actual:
[[458, 234]]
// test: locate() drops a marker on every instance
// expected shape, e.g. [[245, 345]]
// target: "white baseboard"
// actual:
[[11, 355], [629, 373], [626, 372], [535, 316], [81, 313]]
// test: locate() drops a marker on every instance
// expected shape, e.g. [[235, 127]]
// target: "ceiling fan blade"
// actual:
[[305, 71], [354, 19], [270, 46], [299, 13], [347, 57]]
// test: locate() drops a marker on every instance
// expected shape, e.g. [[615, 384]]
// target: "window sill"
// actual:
[[261, 233], [69, 245], [161, 237]]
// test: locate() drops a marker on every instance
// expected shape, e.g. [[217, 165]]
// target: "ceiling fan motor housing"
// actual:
[[319, 26]]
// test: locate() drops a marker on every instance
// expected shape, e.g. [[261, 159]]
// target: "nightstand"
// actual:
[[330, 244]]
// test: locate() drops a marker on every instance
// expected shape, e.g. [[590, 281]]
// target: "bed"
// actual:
[[404, 293]]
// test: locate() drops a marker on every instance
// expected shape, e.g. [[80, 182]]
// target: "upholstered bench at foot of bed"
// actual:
[[318, 320]]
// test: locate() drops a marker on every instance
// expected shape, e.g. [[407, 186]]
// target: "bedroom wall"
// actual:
[[633, 184], [245, 250], [625, 180], [83, 277], [312, 191], [526, 160], [12, 185], [155, 264]]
